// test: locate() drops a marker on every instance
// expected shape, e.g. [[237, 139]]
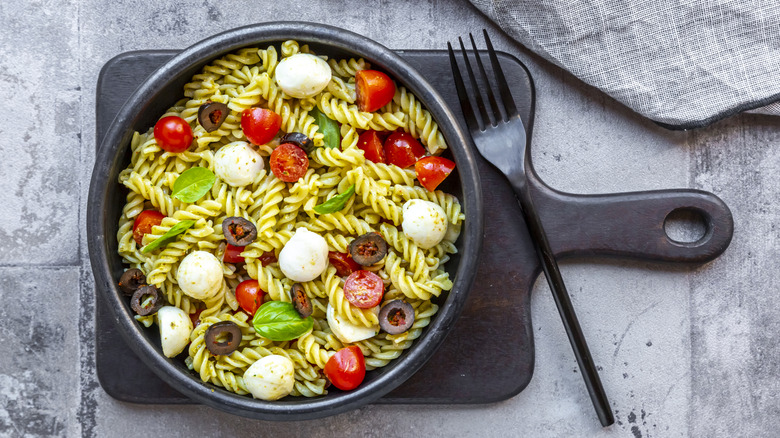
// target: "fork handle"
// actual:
[[563, 302]]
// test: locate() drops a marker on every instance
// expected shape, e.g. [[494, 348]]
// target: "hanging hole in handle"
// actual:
[[686, 225]]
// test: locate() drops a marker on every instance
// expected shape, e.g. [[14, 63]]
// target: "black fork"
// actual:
[[500, 136]]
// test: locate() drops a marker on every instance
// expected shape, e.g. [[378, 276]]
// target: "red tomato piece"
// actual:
[[289, 162], [371, 145], [347, 368], [402, 149], [143, 224], [431, 171], [233, 254], [260, 125], [343, 263], [374, 90], [195, 318], [173, 134], [249, 296], [267, 258], [364, 289]]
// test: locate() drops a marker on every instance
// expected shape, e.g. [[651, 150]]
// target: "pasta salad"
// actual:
[[283, 228]]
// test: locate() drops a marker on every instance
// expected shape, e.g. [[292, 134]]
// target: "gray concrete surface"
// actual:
[[684, 352]]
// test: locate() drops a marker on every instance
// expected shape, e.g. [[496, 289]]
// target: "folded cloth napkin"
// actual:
[[681, 63]]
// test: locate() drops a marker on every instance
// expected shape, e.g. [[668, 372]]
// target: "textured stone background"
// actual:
[[684, 352]]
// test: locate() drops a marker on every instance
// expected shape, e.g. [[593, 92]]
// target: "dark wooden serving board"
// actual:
[[495, 327]]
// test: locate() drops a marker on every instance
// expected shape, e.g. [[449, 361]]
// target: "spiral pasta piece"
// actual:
[[265, 217], [156, 195], [345, 223], [408, 250], [333, 157], [419, 121], [387, 121], [370, 191], [403, 281], [269, 58], [342, 90], [391, 173], [276, 288], [290, 48], [343, 112], [314, 349], [347, 68]]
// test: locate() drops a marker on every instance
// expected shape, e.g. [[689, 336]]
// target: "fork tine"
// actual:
[[503, 87], [483, 76], [465, 103], [480, 103]]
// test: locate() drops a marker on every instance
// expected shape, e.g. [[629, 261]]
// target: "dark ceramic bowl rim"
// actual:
[[114, 148]]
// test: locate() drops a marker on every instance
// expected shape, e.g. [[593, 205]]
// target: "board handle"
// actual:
[[632, 224]]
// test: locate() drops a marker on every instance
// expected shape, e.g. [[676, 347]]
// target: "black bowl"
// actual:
[[107, 197]]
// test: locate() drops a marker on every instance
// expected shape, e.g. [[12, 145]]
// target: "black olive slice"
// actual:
[[301, 301], [146, 300], [298, 139], [211, 115], [131, 280], [223, 337], [238, 231], [368, 249], [396, 317]]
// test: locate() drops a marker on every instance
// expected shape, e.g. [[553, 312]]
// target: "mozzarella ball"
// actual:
[[348, 332], [304, 257], [238, 164], [175, 328], [424, 222], [302, 75], [200, 275], [270, 378]]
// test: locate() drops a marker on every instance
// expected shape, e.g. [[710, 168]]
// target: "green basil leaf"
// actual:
[[279, 321], [193, 183], [328, 127], [173, 232], [335, 203]]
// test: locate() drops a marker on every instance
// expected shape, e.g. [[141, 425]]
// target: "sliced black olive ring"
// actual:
[[301, 301], [238, 231], [298, 139], [211, 115], [368, 249], [223, 337], [146, 301], [131, 280], [396, 317]]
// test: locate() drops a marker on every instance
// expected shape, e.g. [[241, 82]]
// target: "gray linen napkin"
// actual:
[[683, 64]]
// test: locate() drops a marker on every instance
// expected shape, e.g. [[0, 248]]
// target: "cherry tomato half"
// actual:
[[364, 289], [267, 258], [343, 263], [402, 149], [347, 368], [260, 125], [173, 134], [289, 162], [233, 254], [249, 296], [143, 224], [371, 145], [431, 171], [374, 90]]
